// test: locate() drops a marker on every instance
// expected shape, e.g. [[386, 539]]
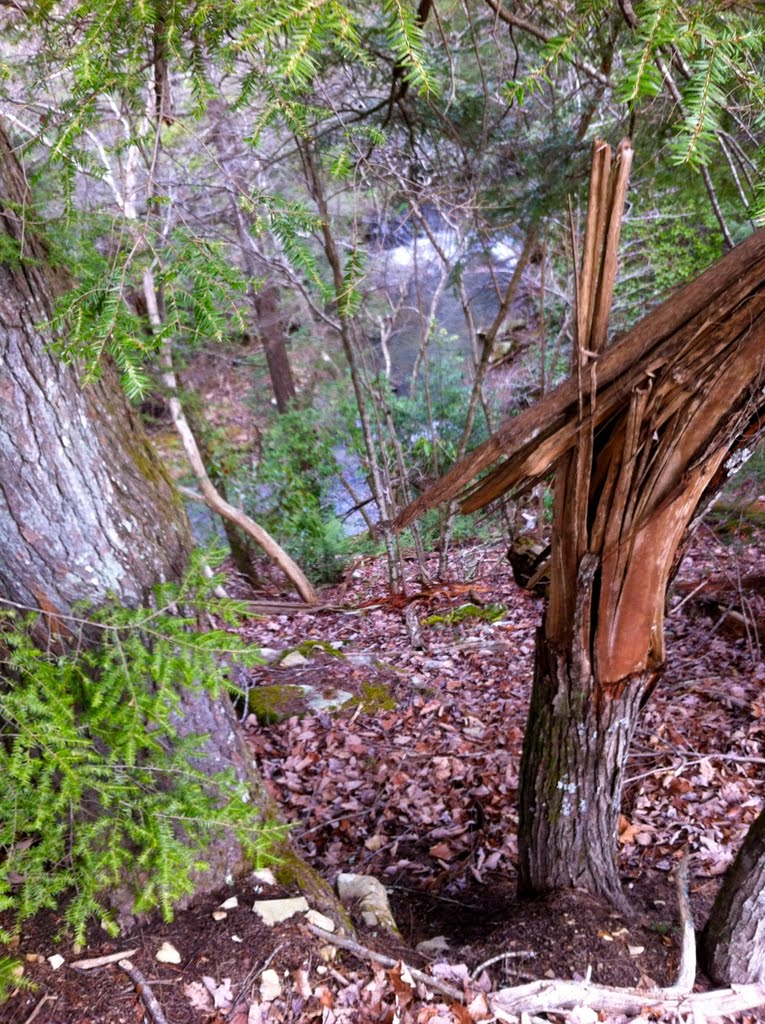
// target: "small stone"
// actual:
[[219, 915], [230, 904], [270, 986], [320, 920], [264, 875], [360, 660], [375, 842], [438, 944], [168, 954], [235, 938], [293, 660], [56, 961], [269, 654], [636, 950], [271, 912]]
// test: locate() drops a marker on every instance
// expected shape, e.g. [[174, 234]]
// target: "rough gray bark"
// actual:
[[572, 767], [733, 942], [86, 510]]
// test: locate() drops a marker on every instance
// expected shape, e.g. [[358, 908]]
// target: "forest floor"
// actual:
[[413, 780]]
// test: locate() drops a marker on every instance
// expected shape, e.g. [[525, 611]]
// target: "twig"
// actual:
[[143, 988], [49, 998], [101, 961], [386, 961], [248, 978], [510, 955]]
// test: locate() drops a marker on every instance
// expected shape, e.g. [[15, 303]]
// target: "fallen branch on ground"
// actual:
[[143, 988], [364, 953], [102, 961], [558, 996]]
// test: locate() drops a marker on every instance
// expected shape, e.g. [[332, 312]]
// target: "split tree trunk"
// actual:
[[641, 437], [733, 941]]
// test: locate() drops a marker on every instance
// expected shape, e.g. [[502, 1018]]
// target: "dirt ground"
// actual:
[[401, 762]]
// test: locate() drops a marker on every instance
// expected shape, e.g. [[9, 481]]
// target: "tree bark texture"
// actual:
[[575, 748], [733, 941], [86, 509]]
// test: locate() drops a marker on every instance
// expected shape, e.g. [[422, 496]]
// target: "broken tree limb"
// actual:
[[705, 317]]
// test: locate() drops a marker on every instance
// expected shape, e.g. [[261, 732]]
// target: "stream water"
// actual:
[[405, 270]]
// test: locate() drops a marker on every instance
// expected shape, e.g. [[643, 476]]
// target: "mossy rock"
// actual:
[[275, 702], [373, 697], [309, 647], [490, 613]]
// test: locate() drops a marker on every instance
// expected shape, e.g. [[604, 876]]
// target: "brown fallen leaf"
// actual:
[[442, 851]]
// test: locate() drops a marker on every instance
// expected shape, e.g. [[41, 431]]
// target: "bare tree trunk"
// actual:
[[733, 941], [271, 328]]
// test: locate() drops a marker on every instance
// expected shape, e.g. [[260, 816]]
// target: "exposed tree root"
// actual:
[[557, 996]]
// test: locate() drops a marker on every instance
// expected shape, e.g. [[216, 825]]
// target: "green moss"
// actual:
[[490, 613], [275, 702], [307, 648], [373, 697]]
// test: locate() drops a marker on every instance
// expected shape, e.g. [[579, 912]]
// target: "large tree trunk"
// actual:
[[87, 512], [733, 941], [86, 509]]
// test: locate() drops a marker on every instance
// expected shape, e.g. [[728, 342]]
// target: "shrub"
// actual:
[[289, 492], [98, 789]]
